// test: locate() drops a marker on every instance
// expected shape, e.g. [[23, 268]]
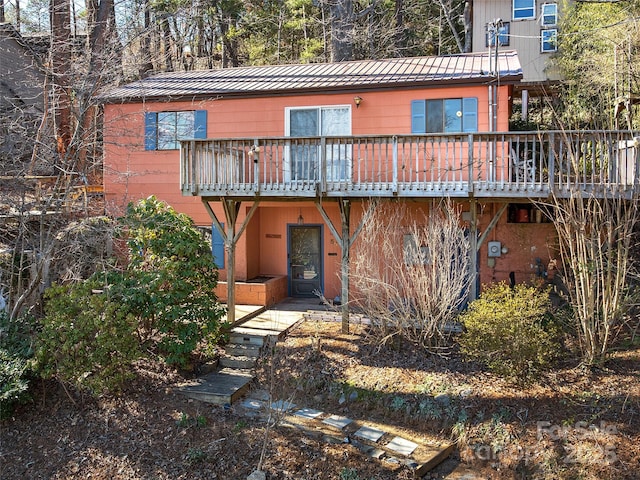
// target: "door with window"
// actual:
[[304, 157], [305, 260]]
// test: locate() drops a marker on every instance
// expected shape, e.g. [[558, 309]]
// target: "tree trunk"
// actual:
[[166, 39], [468, 26], [401, 38], [342, 21], [60, 62], [145, 45]]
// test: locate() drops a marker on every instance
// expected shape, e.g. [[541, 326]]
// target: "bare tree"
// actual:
[[410, 271], [51, 172], [596, 243]]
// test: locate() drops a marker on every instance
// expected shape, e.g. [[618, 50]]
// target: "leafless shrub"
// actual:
[[410, 271], [596, 242]]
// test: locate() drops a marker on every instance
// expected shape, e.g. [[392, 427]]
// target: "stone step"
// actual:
[[220, 388], [244, 349], [238, 361]]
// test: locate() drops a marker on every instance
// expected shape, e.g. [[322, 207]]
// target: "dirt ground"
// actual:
[[573, 424]]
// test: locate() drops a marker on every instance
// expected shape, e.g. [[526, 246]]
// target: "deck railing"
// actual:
[[512, 164]]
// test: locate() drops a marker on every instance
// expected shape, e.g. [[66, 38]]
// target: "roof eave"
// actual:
[[512, 79]]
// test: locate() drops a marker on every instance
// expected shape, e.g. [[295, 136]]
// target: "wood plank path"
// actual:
[[257, 328], [418, 450]]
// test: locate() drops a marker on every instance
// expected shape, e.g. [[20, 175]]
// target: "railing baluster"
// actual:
[[522, 163]]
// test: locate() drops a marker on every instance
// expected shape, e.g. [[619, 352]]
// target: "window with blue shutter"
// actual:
[[448, 115], [217, 246], [164, 130], [150, 130], [418, 116], [470, 114]]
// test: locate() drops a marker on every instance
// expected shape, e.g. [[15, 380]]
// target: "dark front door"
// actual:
[[305, 260]]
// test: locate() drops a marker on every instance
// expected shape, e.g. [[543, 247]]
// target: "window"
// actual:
[[450, 115], [549, 40], [524, 9], [549, 15], [164, 130], [413, 253], [525, 213], [318, 121], [503, 36]]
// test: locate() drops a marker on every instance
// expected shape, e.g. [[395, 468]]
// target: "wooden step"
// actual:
[[220, 388], [253, 336], [245, 349], [238, 361]]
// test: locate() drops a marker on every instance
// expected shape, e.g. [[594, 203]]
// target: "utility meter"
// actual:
[[495, 249]]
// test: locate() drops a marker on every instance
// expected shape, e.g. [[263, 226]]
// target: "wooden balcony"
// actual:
[[489, 165]]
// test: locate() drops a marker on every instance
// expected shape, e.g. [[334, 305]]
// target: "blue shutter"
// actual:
[[150, 130], [217, 246], [200, 124], [418, 116], [470, 114]]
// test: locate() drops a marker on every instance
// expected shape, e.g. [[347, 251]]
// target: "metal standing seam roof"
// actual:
[[320, 77]]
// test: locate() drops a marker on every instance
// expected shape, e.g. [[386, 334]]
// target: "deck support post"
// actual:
[[230, 236], [475, 242], [473, 249], [345, 214], [345, 240]]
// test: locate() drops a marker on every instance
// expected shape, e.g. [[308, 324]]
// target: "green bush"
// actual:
[[88, 339], [510, 332], [169, 282], [16, 351], [163, 303]]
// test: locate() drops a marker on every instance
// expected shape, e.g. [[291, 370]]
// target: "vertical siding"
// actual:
[[253, 245], [525, 37], [525, 242], [131, 173]]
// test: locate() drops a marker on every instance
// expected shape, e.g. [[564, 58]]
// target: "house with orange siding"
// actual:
[[279, 163]]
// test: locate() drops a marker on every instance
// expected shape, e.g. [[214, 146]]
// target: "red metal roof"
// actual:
[[303, 78]]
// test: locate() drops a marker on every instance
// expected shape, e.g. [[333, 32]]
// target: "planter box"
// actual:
[[264, 291]]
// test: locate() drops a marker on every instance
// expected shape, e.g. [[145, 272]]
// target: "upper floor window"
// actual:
[[502, 34], [164, 130], [449, 115], [304, 157], [549, 40], [549, 15], [524, 9]]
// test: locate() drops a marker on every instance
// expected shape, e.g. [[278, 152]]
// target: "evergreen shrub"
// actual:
[[510, 330]]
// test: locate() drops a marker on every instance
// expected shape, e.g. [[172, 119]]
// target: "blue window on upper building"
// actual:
[[449, 115], [549, 40], [502, 34], [164, 130], [524, 9], [549, 15]]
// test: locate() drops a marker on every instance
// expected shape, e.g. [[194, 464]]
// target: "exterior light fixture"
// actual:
[[357, 100], [300, 219]]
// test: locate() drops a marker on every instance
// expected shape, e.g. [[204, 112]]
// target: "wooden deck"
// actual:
[[489, 165]]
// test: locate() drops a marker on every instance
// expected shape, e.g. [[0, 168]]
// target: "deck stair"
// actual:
[[236, 367]]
